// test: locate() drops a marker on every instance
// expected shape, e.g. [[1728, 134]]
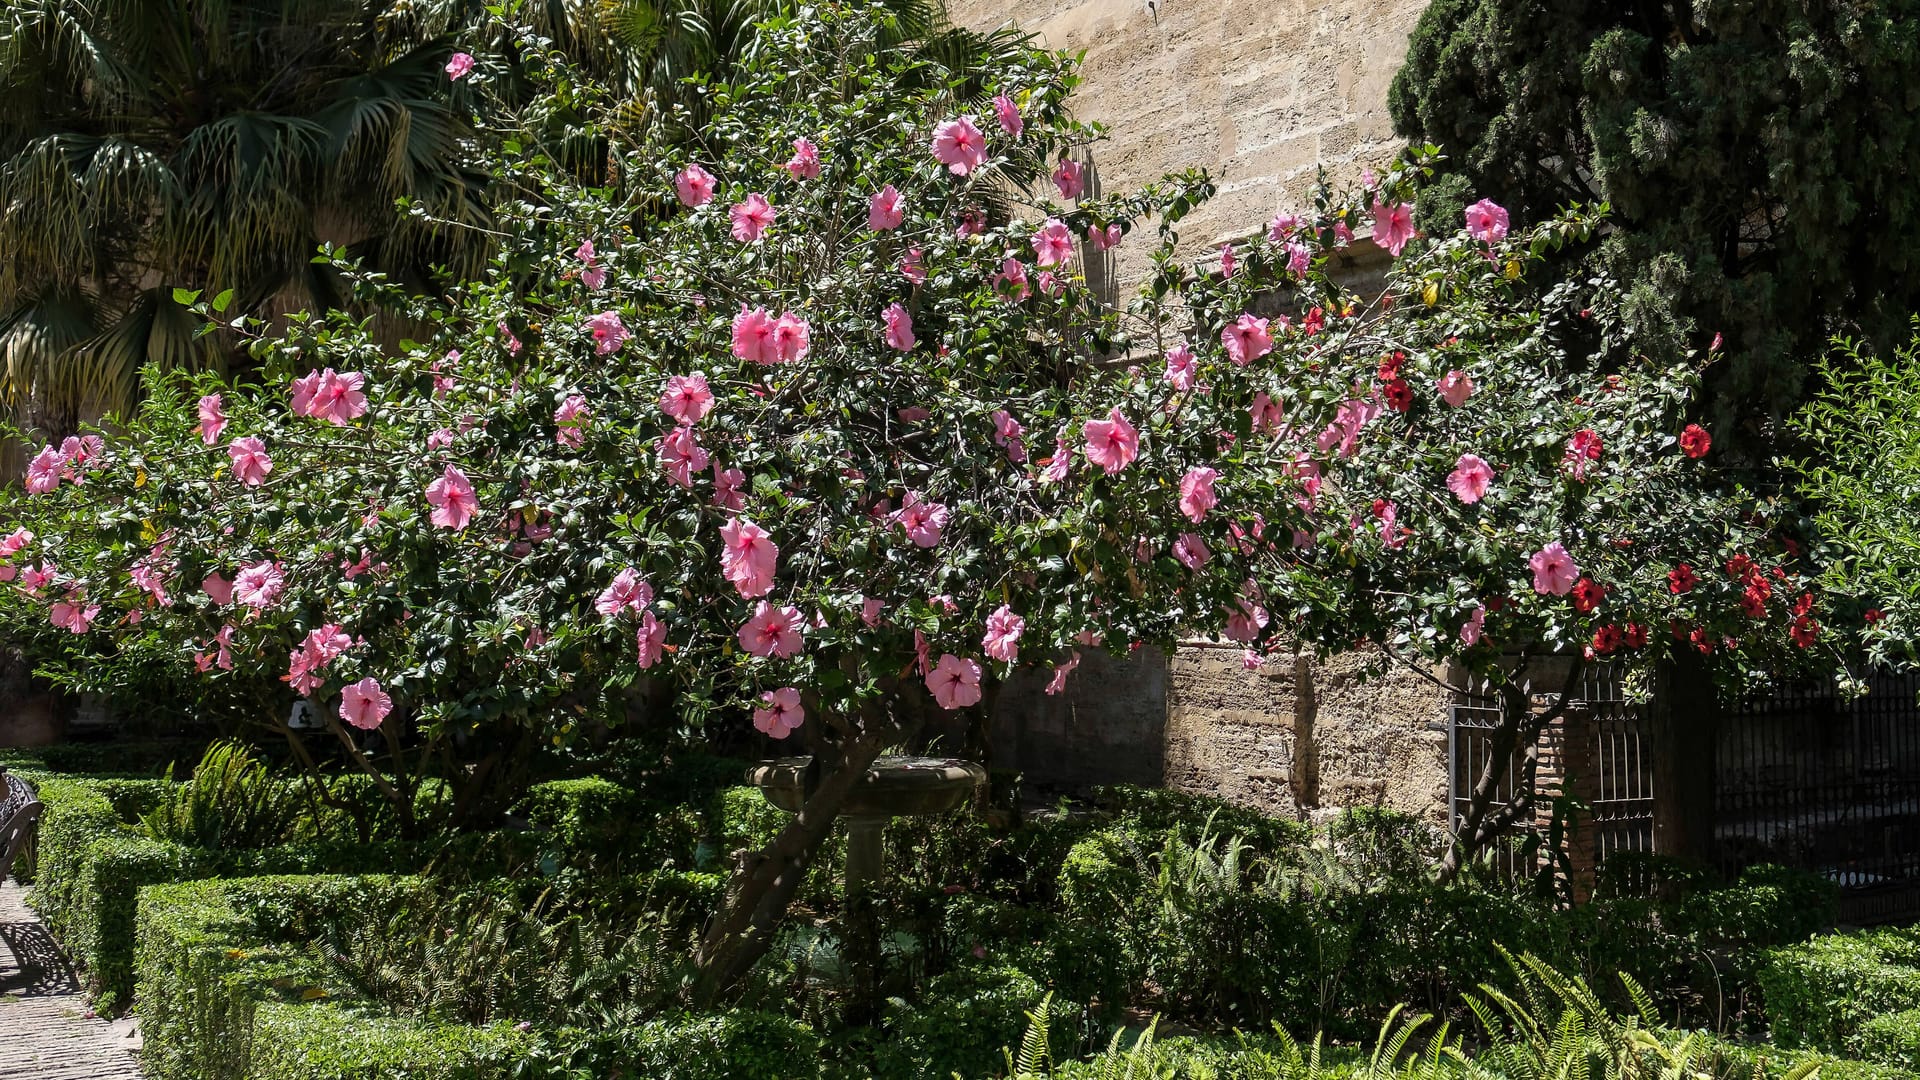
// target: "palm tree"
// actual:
[[147, 145]]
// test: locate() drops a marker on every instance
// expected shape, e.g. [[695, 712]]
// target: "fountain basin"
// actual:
[[893, 786]]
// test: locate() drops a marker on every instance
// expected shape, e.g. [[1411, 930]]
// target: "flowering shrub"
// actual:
[[813, 418], [1857, 474]]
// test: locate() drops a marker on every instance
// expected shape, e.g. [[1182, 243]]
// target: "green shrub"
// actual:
[[1820, 992], [960, 1024], [117, 757], [743, 818], [1160, 810], [1767, 907], [1892, 1039]]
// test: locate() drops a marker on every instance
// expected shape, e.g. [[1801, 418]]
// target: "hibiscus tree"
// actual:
[[832, 447]]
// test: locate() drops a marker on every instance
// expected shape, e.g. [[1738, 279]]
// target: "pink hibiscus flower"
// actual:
[[791, 338], [885, 210], [694, 186], [727, 484], [650, 640], [1106, 239], [364, 704], [1009, 435], [1182, 367], [74, 614], [955, 683], [43, 472], [1470, 478], [899, 333], [459, 66], [249, 459], [1455, 388], [1265, 413], [1060, 672], [1246, 339], [337, 397], [922, 520], [1196, 492], [913, 266], [1008, 113], [1011, 282], [609, 333], [1053, 243], [212, 420], [1475, 626], [681, 456], [1227, 262], [218, 589], [259, 585], [782, 715], [1392, 226], [1554, 571], [959, 145], [1070, 178], [687, 398], [451, 496], [773, 631], [805, 163], [748, 557], [1003, 634], [1191, 551], [753, 336], [1487, 221], [627, 592], [1112, 443], [571, 418], [751, 218], [592, 274]]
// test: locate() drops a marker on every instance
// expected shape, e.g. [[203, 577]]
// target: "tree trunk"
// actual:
[[1519, 727], [764, 881]]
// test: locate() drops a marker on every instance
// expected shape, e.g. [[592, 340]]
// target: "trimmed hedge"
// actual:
[[739, 1044], [306, 1042], [228, 992], [92, 865], [1820, 993]]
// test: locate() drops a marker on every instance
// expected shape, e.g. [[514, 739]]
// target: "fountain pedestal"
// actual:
[[893, 787]]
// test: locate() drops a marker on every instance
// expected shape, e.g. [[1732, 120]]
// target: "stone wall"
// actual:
[[1259, 92], [1198, 722]]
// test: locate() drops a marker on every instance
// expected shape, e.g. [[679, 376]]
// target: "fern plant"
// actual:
[[231, 801]]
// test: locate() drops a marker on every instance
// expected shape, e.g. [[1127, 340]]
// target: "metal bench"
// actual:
[[19, 810]]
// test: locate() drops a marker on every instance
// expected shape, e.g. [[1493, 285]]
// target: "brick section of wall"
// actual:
[[1259, 92]]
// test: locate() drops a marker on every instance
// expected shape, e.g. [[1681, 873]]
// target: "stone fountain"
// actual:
[[893, 787]]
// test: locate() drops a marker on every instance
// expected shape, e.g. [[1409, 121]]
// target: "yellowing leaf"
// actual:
[[139, 478], [312, 993], [236, 954], [148, 533], [1513, 269], [1430, 293]]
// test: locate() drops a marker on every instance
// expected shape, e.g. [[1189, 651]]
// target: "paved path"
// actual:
[[46, 1030]]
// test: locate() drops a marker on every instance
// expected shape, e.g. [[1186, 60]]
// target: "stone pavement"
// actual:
[[46, 1029]]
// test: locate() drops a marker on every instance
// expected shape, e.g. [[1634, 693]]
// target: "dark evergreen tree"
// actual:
[[1759, 156]]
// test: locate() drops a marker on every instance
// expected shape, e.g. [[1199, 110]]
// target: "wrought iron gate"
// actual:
[[1599, 752], [1808, 779]]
